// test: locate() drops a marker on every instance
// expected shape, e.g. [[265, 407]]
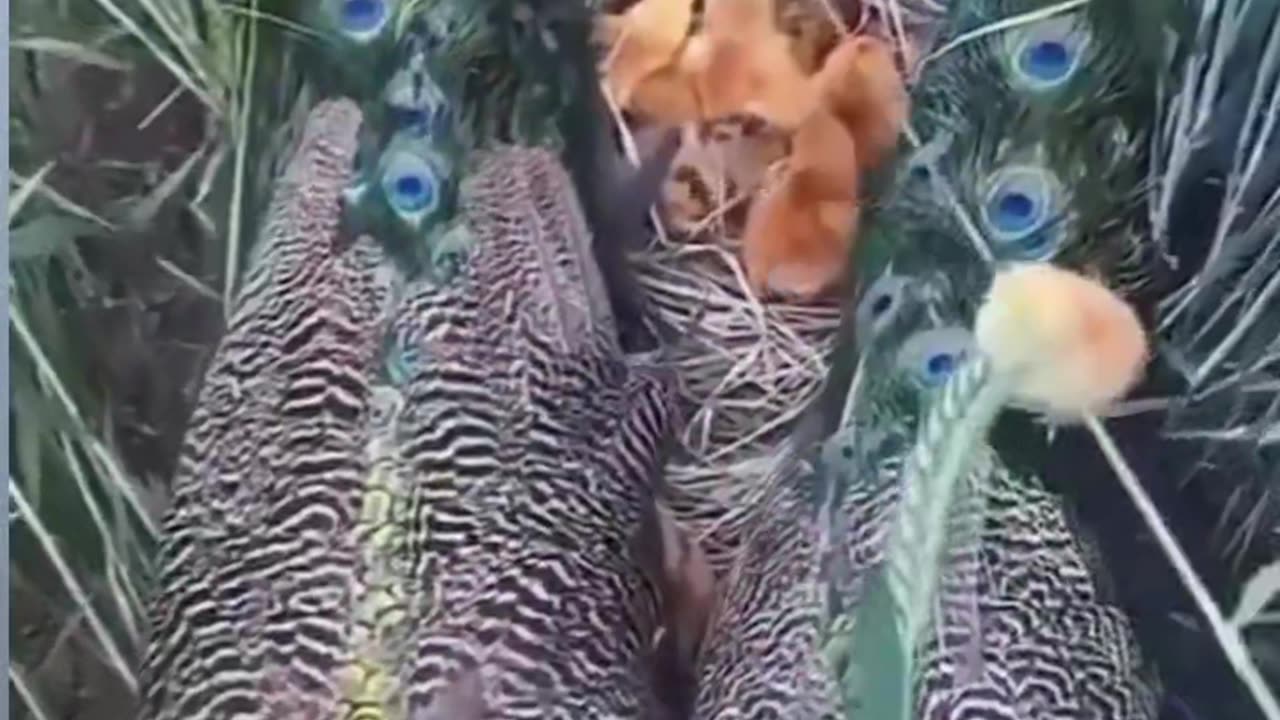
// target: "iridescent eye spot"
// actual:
[[363, 16], [410, 184], [1022, 211], [1046, 54], [879, 305], [412, 193], [932, 356], [940, 365], [1013, 212], [1048, 59]]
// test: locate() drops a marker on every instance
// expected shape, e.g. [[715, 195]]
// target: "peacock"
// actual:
[[1072, 174], [425, 475], [421, 477]]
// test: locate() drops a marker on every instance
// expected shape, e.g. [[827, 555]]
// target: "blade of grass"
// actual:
[[47, 235], [186, 277], [127, 612], [179, 72], [96, 449], [276, 20], [115, 657], [26, 188], [234, 229], [1261, 589], [171, 27], [36, 182], [18, 677], [71, 51], [143, 212], [161, 107]]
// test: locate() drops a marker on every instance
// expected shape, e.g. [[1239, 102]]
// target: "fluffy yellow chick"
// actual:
[[1069, 345]]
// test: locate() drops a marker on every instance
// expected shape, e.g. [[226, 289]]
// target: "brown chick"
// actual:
[[666, 97], [741, 62], [799, 234], [812, 32], [860, 83], [643, 40]]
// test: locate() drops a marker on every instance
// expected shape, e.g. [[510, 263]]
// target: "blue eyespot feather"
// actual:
[[880, 304], [1021, 209], [1045, 55], [410, 184], [931, 356], [363, 20]]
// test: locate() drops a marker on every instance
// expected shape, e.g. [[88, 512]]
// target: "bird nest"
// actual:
[[747, 366]]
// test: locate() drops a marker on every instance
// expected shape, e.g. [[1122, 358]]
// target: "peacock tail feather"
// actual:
[[941, 575], [426, 470], [420, 458]]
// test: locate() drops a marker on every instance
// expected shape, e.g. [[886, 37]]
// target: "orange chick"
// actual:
[[741, 62], [860, 83], [642, 41], [813, 34], [799, 234], [666, 97]]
